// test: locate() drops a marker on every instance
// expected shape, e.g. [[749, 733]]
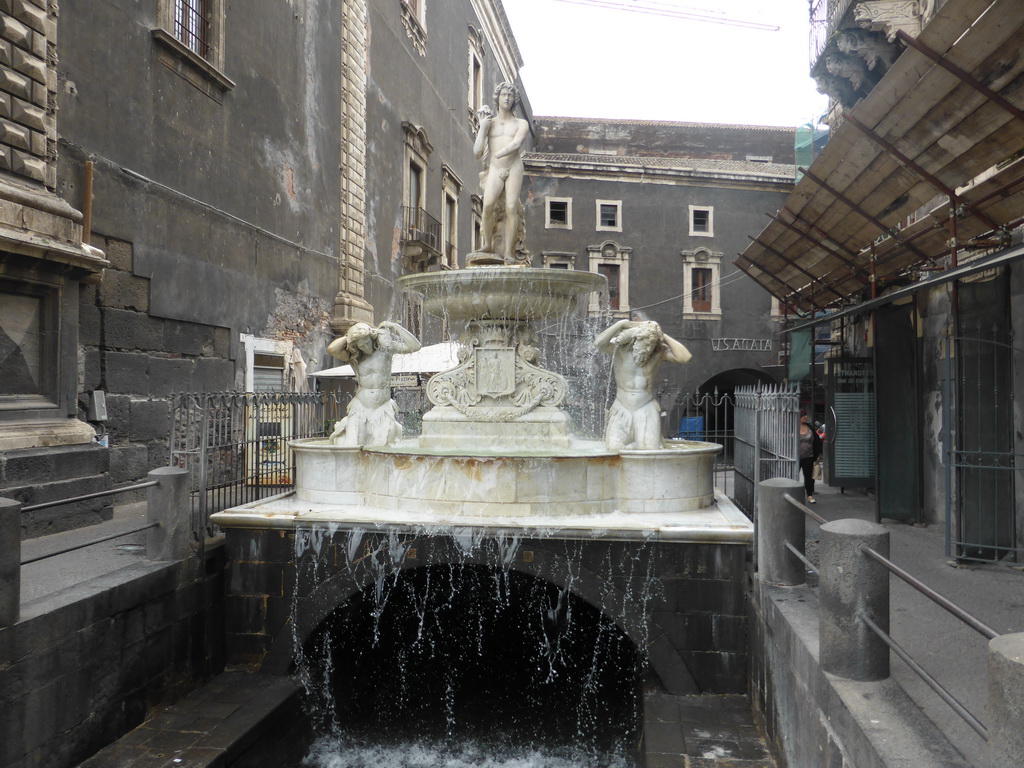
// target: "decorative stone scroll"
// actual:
[[890, 16], [497, 378]]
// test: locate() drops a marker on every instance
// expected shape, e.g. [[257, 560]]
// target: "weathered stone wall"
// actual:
[[38, 475], [815, 719], [684, 603], [139, 361], [86, 664], [216, 186]]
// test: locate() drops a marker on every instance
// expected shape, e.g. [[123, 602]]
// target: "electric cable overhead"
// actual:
[[672, 11]]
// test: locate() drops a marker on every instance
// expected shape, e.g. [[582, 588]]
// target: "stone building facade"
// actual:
[[660, 209], [224, 167]]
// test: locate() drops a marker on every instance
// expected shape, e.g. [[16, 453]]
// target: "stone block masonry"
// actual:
[[139, 361], [86, 664], [37, 475], [662, 594]]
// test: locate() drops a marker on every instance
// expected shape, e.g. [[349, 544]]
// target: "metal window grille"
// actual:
[[192, 25]]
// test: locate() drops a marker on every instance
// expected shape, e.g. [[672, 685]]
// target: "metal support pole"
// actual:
[[779, 522], [168, 504], [10, 562], [1005, 701], [852, 585]]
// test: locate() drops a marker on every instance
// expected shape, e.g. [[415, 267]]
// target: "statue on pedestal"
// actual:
[[499, 144], [637, 350], [371, 416]]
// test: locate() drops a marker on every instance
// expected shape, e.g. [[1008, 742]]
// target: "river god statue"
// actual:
[[371, 416], [637, 350]]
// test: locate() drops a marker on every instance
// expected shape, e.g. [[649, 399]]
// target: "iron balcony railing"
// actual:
[[421, 228], [826, 16]]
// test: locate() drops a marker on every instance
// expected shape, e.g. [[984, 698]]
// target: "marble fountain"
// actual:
[[496, 450], [630, 524]]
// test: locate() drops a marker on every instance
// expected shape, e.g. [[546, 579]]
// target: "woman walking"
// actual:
[[810, 450]]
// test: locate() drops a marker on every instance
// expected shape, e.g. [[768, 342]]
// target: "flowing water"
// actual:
[[464, 664]]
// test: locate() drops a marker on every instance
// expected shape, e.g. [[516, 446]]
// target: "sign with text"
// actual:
[[741, 345]]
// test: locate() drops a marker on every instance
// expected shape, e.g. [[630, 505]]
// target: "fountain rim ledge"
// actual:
[[735, 527]]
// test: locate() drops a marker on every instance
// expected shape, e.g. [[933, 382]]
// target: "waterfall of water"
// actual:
[[449, 652]]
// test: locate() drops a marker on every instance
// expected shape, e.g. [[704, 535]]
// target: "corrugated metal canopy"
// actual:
[[952, 135]]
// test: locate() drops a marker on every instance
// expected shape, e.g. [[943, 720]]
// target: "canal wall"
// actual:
[[86, 664], [816, 719]]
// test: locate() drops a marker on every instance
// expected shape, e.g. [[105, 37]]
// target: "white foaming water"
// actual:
[[348, 752]]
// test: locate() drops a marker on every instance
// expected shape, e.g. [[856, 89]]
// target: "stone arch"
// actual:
[[728, 380], [645, 633]]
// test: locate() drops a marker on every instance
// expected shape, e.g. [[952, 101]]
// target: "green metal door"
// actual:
[[896, 406]]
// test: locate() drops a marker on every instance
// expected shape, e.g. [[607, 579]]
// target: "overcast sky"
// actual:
[[587, 61]]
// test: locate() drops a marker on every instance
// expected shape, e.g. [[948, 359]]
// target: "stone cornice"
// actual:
[[732, 173], [498, 32]]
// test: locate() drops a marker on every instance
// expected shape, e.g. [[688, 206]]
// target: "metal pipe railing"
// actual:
[[930, 681], [86, 496], [805, 509], [802, 558], [972, 621]]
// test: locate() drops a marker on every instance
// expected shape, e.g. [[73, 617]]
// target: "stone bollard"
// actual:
[[169, 505], [1006, 701], [853, 584], [778, 521], [10, 562]]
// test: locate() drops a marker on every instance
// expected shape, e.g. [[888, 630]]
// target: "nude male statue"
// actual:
[[498, 143], [371, 416], [637, 349]]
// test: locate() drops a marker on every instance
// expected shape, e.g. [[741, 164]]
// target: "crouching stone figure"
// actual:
[[637, 350], [371, 416]]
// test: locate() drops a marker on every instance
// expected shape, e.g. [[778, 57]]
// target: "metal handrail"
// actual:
[[805, 509], [100, 540], [930, 681], [972, 621], [85, 496], [802, 558]]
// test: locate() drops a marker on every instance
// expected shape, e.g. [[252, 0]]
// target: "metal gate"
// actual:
[[235, 444], [765, 444], [982, 450], [709, 417]]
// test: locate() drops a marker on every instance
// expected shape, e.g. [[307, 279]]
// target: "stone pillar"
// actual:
[[169, 505], [852, 585], [10, 561], [350, 305], [778, 521], [1006, 701]]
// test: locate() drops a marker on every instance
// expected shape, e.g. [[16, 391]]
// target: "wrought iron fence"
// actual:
[[709, 416], [766, 436], [235, 444]]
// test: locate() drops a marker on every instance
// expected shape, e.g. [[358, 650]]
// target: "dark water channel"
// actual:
[[462, 665]]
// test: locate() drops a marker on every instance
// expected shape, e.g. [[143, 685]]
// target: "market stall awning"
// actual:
[[944, 124]]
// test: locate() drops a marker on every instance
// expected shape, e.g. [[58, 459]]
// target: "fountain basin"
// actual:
[[588, 481], [501, 293]]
